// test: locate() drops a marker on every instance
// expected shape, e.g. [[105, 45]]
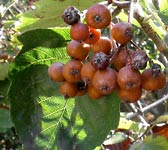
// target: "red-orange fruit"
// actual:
[[104, 45], [105, 81], [79, 32], [151, 82], [94, 36], [55, 72], [87, 72], [120, 58], [77, 50], [68, 89], [129, 78], [122, 32], [71, 71], [130, 96], [93, 92], [98, 16]]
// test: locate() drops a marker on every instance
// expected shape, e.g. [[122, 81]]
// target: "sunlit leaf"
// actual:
[[163, 5], [99, 117], [4, 67], [48, 14], [57, 37]]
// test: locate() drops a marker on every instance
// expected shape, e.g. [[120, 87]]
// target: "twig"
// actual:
[[161, 46], [154, 104], [139, 113], [124, 4], [115, 12], [4, 106], [131, 11]]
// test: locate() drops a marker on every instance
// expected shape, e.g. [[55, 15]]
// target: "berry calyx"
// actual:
[[82, 88]]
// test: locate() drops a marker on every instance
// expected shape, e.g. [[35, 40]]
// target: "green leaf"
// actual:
[[45, 38], [4, 67], [151, 143], [161, 119], [36, 105], [5, 117], [128, 125], [5, 120], [48, 14], [163, 15], [4, 89], [99, 118], [117, 137], [163, 5], [39, 55]]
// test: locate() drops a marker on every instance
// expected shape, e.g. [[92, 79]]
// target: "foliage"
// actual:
[[151, 143], [42, 117]]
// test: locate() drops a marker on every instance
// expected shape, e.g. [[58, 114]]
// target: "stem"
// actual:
[[136, 46], [136, 111], [4, 106], [131, 11], [124, 4], [115, 12], [148, 107], [161, 46], [154, 14]]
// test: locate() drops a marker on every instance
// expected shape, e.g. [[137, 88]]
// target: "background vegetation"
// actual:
[[35, 116]]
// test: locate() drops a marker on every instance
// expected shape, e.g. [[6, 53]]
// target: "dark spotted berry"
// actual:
[[100, 60], [71, 15], [139, 60]]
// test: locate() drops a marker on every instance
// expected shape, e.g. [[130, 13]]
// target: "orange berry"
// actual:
[[79, 32], [98, 16], [104, 45], [55, 72]]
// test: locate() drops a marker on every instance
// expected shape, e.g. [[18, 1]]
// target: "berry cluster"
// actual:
[[99, 65]]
